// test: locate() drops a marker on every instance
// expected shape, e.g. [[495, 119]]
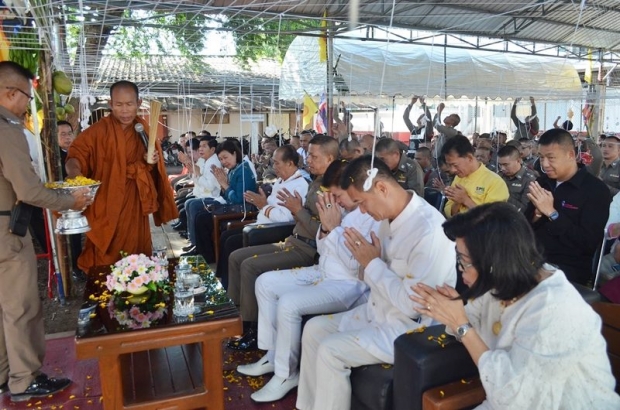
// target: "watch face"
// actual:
[[461, 330]]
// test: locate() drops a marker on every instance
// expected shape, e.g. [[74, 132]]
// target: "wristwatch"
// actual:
[[554, 215], [462, 330], [325, 231]]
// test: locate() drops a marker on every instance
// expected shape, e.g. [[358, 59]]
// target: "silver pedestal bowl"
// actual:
[[72, 221]]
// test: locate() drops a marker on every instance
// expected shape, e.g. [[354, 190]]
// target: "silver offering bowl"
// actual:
[[72, 221]]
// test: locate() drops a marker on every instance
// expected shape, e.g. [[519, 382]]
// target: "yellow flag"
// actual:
[[588, 74], [323, 39], [310, 109], [5, 44]]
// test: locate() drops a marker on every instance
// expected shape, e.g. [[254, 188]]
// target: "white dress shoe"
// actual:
[[275, 389], [263, 366]]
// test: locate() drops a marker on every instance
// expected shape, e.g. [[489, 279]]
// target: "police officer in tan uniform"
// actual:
[[517, 176], [610, 171], [22, 337], [407, 171]]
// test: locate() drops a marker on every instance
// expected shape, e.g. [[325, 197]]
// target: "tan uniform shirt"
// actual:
[[18, 181], [518, 187], [610, 174], [308, 217], [409, 175]]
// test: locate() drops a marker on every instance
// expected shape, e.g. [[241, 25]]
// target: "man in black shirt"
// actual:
[[568, 207]]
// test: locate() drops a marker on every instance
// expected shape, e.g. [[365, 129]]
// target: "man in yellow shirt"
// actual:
[[474, 183]]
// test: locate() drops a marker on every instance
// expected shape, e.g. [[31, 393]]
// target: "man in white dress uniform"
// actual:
[[284, 296], [411, 247]]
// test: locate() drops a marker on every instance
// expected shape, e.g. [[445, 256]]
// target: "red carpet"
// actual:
[[60, 361], [85, 392]]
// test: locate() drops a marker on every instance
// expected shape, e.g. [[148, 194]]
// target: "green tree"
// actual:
[[144, 31], [258, 38]]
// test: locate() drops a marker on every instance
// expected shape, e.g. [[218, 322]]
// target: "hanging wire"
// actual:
[[372, 172]]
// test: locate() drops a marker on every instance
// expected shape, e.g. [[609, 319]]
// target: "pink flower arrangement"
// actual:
[[136, 274]]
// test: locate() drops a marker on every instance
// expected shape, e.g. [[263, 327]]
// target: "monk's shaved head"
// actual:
[[124, 85], [11, 73], [125, 102]]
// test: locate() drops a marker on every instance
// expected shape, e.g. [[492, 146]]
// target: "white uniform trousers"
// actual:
[[326, 362], [282, 301]]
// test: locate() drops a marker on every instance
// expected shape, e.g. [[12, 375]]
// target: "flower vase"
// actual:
[[138, 296]]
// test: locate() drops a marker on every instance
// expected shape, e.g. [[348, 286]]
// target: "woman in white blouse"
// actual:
[[536, 342]]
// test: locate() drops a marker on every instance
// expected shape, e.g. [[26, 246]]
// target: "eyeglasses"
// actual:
[[23, 92], [460, 264]]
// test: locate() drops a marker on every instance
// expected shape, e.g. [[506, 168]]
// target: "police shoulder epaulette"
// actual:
[[10, 120]]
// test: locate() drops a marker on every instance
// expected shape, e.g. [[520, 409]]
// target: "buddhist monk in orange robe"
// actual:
[[111, 151]]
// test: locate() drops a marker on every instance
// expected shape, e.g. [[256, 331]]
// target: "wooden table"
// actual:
[[169, 366]]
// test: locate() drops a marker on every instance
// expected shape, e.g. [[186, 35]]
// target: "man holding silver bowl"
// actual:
[[22, 337]]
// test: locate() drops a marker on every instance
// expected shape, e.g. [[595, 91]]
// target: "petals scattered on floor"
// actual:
[[85, 392]]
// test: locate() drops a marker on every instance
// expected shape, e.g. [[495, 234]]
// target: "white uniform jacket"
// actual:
[[336, 262], [206, 185], [272, 212], [414, 249]]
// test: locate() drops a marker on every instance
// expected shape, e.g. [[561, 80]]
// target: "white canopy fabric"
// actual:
[[415, 69]]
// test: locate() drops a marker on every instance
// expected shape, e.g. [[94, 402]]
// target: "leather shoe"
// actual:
[[263, 366], [275, 389], [4, 387], [245, 342], [41, 386], [191, 252], [183, 234], [188, 247]]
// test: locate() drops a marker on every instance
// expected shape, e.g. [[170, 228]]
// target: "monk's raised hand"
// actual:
[[154, 157]]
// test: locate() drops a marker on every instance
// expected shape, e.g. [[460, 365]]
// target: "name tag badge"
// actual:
[[569, 206]]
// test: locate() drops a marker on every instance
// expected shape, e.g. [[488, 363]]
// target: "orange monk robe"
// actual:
[[130, 190]]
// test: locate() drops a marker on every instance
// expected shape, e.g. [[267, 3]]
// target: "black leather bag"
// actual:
[[20, 218]]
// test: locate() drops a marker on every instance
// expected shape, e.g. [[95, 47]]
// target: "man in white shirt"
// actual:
[[284, 296], [411, 247], [304, 142], [205, 183], [206, 188], [285, 161]]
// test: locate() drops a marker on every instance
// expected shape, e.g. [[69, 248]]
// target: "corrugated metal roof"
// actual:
[[200, 84], [529, 20]]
